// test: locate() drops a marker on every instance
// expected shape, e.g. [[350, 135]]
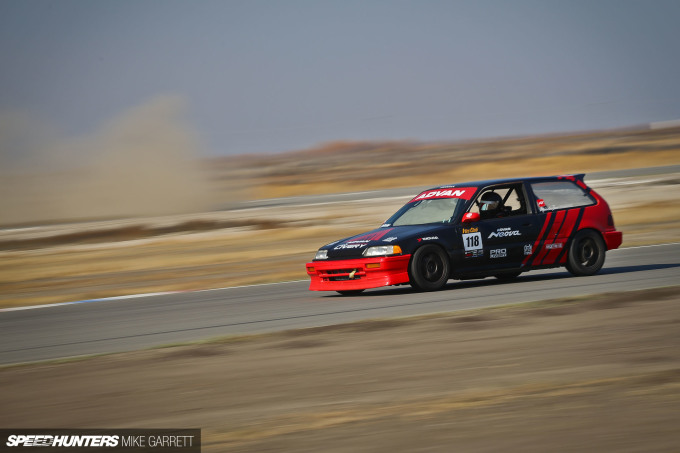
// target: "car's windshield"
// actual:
[[438, 210]]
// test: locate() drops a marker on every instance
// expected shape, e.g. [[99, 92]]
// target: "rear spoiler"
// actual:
[[578, 177]]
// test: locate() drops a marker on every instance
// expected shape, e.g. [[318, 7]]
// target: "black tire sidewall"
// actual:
[[573, 262], [417, 280]]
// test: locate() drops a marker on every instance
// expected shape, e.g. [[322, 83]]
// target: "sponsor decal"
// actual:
[[474, 253], [556, 245], [349, 246], [361, 241], [385, 225], [541, 204], [528, 249], [470, 230], [371, 236], [465, 193], [498, 253], [429, 238], [390, 239], [504, 232], [472, 241]]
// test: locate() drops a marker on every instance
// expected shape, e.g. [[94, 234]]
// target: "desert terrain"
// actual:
[[594, 374], [238, 244], [600, 373]]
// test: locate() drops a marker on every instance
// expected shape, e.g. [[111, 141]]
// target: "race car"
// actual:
[[498, 228]]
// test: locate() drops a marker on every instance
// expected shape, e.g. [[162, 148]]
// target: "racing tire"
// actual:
[[586, 253], [508, 275], [351, 292], [429, 269]]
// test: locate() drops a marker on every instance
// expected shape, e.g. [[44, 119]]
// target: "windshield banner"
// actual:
[[458, 192]]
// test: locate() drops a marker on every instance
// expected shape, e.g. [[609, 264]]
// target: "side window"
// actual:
[[560, 195], [513, 202]]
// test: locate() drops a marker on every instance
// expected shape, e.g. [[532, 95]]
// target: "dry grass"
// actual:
[[165, 264], [267, 245], [224, 257], [348, 167], [653, 223], [606, 368], [500, 168]]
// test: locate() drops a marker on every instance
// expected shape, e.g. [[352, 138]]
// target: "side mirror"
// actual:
[[471, 217]]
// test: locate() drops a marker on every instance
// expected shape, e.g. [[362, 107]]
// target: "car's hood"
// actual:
[[354, 246]]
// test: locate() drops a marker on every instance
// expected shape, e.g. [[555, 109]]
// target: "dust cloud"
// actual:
[[143, 162]]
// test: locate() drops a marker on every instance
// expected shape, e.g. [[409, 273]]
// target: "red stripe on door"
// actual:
[[538, 239], [550, 237]]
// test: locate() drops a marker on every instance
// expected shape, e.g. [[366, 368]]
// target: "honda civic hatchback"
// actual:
[[498, 228]]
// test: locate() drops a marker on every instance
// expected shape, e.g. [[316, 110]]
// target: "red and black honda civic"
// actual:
[[497, 228]]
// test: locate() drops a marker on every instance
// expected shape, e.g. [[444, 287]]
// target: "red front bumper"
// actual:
[[363, 273]]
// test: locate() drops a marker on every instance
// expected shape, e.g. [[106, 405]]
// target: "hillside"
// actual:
[[356, 166]]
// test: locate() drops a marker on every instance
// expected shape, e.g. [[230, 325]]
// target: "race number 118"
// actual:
[[472, 241]]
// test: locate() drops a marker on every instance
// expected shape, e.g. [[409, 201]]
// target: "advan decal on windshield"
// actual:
[[463, 192]]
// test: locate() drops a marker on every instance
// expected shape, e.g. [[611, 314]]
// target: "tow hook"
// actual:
[[351, 274]]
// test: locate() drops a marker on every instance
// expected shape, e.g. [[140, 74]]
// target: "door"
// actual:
[[506, 233]]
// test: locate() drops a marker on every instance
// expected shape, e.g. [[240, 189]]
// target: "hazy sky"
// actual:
[[268, 76]]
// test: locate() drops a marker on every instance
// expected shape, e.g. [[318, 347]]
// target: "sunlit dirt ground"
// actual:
[[231, 248], [97, 251], [594, 374]]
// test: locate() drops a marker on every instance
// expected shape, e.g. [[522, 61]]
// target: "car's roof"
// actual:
[[491, 182]]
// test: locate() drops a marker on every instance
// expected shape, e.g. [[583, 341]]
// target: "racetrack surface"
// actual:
[[130, 324], [599, 373], [120, 257]]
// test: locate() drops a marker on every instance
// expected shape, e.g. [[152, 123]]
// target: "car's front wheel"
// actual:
[[586, 253], [429, 268]]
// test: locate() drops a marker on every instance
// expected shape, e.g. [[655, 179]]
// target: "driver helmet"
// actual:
[[490, 202]]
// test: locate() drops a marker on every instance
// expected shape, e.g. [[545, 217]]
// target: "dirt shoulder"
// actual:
[[247, 246], [95, 256], [596, 374]]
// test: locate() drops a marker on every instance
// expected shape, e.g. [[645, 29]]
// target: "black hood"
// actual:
[[404, 236]]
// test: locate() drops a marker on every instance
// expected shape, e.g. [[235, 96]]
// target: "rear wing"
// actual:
[[578, 177]]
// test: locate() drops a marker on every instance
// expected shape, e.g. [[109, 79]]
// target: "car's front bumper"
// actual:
[[363, 273]]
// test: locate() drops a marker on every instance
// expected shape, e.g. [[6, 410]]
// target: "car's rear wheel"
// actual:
[[351, 292], [586, 253], [429, 268]]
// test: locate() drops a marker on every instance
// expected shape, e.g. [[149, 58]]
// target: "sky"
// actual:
[[258, 76]]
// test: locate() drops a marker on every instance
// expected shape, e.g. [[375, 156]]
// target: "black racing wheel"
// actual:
[[586, 253], [429, 268]]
